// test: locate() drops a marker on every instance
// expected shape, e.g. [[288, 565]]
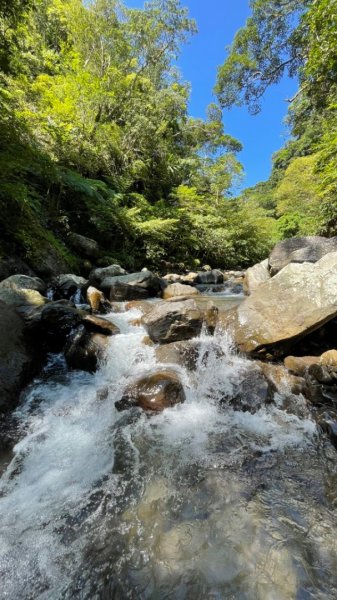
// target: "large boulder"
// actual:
[[12, 265], [86, 350], [23, 282], [299, 250], [96, 276], [172, 322], [178, 289], [254, 276], [84, 246], [209, 277], [19, 358], [22, 299], [153, 392], [136, 286], [298, 300]]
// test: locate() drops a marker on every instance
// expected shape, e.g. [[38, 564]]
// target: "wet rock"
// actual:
[[154, 392], [298, 365], [136, 286], [57, 321], [96, 276], [211, 317], [86, 350], [172, 322], [178, 289], [184, 354], [327, 421], [300, 250], [141, 305], [251, 391], [281, 380], [97, 301], [83, 245], [19, 357], [23, 282], [210, 277], [66, 286], [270, 322], [254, 276], [99, 325]]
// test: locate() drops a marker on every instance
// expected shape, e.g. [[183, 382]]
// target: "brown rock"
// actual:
[[97, 301], [298, 365], [281, 380], [329, 358], [99, 325], [178, 289], [184, 354], [154, 392]]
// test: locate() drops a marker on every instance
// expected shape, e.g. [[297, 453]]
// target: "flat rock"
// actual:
[[299, 250], [298, 300], [136, 286], [99, 325]]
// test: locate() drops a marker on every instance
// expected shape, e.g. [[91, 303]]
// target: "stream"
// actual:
[[198, 502]]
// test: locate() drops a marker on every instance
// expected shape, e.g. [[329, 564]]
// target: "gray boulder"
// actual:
[[136, 286], [83, 245], [23, 282], [96, 276], [300, 250], [298, 300], [254, 276], [209, 277], [172, 322]]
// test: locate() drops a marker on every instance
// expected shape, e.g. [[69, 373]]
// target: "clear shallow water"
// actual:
[[198, 502]]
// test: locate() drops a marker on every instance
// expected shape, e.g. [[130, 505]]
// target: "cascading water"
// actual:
[[200, 501]]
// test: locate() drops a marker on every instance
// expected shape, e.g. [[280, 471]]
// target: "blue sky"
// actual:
[[261, 135]]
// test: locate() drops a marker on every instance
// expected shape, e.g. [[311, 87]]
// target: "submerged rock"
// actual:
[[136, 286], [251, 391], [153, 392], [300, 250], [184, 354], [254, 276], [86, 350], [298, 300], [174, 321]]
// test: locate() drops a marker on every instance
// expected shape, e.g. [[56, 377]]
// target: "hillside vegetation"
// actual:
[[96, 138]]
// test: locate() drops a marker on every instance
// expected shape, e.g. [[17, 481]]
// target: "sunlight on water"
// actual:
[[200, 501]]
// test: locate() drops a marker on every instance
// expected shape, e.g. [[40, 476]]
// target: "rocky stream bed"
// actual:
[[147, 457]]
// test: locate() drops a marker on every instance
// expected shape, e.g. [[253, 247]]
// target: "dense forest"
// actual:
[[96, 138]]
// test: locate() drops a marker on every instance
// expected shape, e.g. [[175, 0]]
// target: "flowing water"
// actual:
[[198, 502]]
